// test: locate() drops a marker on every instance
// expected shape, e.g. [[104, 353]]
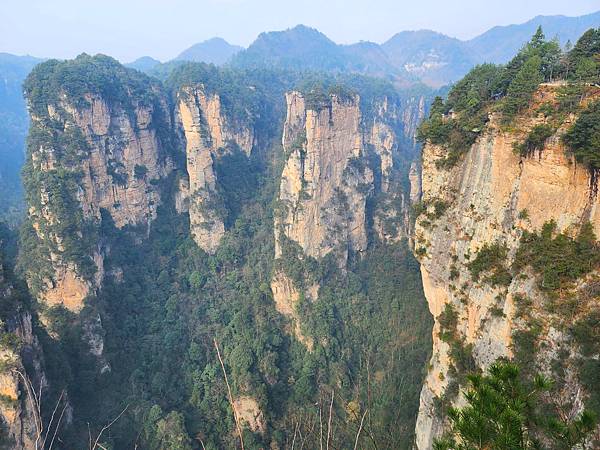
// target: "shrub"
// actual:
[[490, 261], [535, 140], [556, 257]]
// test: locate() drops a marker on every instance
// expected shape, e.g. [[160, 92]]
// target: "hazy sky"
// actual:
[[127, 29]]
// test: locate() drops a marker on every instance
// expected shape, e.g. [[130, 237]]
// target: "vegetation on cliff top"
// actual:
[[99, 74], [583, 138], [457, 122]]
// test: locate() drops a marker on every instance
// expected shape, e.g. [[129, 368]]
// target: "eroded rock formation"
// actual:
[[93, 155], [209, 133], [340, 178], [494, 195]]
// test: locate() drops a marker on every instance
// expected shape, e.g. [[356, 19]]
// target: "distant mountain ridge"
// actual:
[[427, 56], [213, 51], [13, 129], [143, 64], [500, 43]]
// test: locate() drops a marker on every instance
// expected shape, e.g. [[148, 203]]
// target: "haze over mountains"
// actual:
[[407, 59], [303, 244], [427, 56]]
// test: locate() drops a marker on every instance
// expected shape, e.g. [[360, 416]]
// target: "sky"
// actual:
[[128, 29]]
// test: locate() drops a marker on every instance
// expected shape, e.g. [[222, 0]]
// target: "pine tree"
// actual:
[[522, 87], [503, 413]]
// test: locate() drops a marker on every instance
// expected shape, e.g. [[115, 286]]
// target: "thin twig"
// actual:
[[52, 419], [359, 429], [235, 414], [320, 426], [329, 421], [294, 439], [106, 427], [57, 426]]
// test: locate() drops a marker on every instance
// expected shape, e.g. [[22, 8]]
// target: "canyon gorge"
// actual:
[[252, 257]]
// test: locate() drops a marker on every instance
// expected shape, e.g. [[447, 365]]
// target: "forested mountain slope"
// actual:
[[156, 235]]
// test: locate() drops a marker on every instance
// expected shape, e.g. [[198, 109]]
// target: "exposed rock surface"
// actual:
[[337, 160], [19, 346], [118, 158], [487, 194], [209, 133], [325, 181], [16, 412], [249, 414]]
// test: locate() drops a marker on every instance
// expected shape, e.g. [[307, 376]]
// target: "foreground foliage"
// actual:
[[503, 412]]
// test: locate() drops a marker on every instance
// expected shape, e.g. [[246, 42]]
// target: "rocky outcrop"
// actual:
[[209, 134], [492, 196], [101, 156], [18, 346], [286, 297], [326, 179], [341, 176], [249, 414], [18, 417]]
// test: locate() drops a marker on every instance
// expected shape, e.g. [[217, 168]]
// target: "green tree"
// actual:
[[583, 138], [503, 412], [167, 432], [522, 87]]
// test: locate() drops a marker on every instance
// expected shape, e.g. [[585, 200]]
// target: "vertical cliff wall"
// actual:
[[19, 348], [326, 179], [95, 153], [209, 134], [490, 200], [343, 184]]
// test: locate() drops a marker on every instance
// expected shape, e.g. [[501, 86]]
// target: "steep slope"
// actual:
[[94, 153], [506, 236], [21, 372], [13, 129], [151, 243], [213, 51], [341, 185], [209, 134]]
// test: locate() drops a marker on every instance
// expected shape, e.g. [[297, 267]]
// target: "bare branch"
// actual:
[[52, 418], [235, 414], [329, 421], [359, 429], [106, 427], [57, 426]]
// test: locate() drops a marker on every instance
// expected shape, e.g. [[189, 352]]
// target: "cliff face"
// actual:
[[19, 346], [208, 135], [86, 157], [17, 415], [325, 181], [492, 196], [340, 182]]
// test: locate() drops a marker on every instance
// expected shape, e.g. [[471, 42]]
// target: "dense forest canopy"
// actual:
[[161, 317]]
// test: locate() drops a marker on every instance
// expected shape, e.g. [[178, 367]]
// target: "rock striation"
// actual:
[[340, 182], [493, 195], [209, 134], [100, 160]]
